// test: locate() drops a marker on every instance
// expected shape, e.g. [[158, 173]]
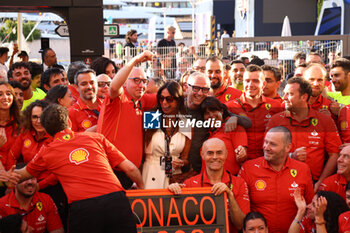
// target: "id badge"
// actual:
[[162, 162]]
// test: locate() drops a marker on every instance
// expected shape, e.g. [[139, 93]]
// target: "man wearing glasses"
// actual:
[[37, 209], [120, 120], [314, 133], [103, 83], [84, 113], [198, 89]]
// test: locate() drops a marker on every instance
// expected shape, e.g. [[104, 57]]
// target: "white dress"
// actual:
[[152, 174]]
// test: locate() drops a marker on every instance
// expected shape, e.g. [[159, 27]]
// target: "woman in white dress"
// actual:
[[167, 148]]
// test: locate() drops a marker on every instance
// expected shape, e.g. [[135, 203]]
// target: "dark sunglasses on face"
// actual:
[[137, 81], [168, 99], [103, 84], [196, 89]]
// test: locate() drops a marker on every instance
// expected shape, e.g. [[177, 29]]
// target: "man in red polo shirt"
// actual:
[[343, 123], [273, 82], [84, 113], [316, 75], [120, 120], [314, 133], [255, 106], [83, 163], [214, 154], [216, 72], [337, 182], [39, 211], [272, 180]]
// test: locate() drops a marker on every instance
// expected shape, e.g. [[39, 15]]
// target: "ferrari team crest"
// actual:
[[227, 97], [79, 156], [293, 172], [267, 106], [27, 143], [314, 121], [39, 205]]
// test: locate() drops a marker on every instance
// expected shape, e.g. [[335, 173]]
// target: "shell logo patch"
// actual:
[[86, 124], [343, 125], [293, 172], [79, 156], [27, 143], [260, 185], [314, 121], [267, 106], [227, 97], [66, 137], [39, 205]]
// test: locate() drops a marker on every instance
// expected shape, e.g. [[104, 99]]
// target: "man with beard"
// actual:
[[273, 82], [37, 209], [20, 72], [131, 38], [215, 71], [237, 71], [84, 113], [273, 178], [52, 77], [340, 75], [255, 106], [316, 75], [314, 133]]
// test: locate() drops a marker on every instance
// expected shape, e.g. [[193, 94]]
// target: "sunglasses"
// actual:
[[35, 117], [196, 89], [103, 84], [168, 99], [137, 81]]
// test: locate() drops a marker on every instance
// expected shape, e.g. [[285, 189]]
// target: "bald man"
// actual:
[[214, 155], [120, 120]]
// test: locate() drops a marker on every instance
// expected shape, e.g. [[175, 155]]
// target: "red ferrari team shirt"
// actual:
[[237, 185], [343, 123], [28, 146], [120, 122], [74, 92], [271, 192], [344, 222], [82, 162], [82, 117], [317, 133], [260, 116], [227, 94], [42, 214], [278, 98], [335, 183], [10, 130], [232, 140]]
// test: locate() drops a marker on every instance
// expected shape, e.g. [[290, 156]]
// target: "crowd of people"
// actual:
[[72, 141]]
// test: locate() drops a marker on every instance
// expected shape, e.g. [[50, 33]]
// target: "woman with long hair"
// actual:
[[103, 65], [236, 141], [254, 222], [167, 148], [61, 95], [321, 215], [9, 120]]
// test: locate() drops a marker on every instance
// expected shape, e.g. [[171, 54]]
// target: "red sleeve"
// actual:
[[343, 125], [242, 196], [37, 165], [242, 173], [114, 156], [73, 118], [332, 141], [309, 188], [53, 219], [149, 101], [14, 152]]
